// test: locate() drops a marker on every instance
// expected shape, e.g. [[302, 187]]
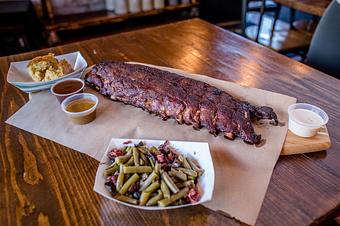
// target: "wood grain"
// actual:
[[304, 188], [314, 7], [298, 145]]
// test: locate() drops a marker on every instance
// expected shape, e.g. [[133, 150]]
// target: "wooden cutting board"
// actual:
[[298, 145]]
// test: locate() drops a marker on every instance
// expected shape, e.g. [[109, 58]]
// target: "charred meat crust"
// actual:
[[170, 95]]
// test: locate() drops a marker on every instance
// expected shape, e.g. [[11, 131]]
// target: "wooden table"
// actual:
[[313, 7], [42, 181]]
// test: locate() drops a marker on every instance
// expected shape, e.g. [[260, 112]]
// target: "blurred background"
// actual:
[[31, 25]]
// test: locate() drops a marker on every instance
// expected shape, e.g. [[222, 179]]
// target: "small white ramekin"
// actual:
[[62, 97], [76, 116], [303, 129]]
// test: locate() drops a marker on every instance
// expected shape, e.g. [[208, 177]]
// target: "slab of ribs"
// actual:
[[186, 100]]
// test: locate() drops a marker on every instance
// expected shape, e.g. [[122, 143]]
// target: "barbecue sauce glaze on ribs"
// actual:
[[170, 95]]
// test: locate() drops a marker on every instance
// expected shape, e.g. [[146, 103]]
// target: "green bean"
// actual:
[[188, 183], [158, 167], [151, 162], [143, 158], [169, 182], [137, 169], [143, 149], [120, 179], [126, 149], [141, 162], [180, 185], [112, 164], [184, 161], [153, 201], [148, 181], [148, 191], [111, 169], [196, 163], [189, 172], [178, 174], [123, 159], [153, 187], [173, 198], [124, 198], [195, 167], [144, 197], [154, 149], [135, 153], [129, 150], [179, 195], [128, 184], [130, 162], [165, 189], [173, 178]]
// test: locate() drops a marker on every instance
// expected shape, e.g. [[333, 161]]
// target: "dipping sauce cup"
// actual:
[[67, 87], [305, 120], [80, 108]]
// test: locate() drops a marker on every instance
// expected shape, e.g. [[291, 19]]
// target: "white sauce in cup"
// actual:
[[306, 116], [305, 120]]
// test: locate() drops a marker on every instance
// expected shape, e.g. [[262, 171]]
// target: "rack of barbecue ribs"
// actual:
[[186, 100]]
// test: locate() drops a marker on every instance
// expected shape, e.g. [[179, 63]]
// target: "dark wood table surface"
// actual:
[[314, 7], [43, 182]]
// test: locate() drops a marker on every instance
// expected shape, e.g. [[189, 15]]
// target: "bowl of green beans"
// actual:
[[156, 174]]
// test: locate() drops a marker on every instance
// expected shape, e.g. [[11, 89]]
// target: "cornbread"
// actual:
[[46, 68]]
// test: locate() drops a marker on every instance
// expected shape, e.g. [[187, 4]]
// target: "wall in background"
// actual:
[[65, 7], [217, 11]]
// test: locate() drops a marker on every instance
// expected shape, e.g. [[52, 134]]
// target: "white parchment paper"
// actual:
[[242, 171]]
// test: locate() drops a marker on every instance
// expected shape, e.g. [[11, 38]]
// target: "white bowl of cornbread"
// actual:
[[42, 72]]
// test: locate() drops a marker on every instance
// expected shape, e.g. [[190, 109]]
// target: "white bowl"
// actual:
[[19, 77], [197, 150]]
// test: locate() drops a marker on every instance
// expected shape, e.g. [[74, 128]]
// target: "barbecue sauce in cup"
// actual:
[[80, 108], [67, 87], [81, 105]]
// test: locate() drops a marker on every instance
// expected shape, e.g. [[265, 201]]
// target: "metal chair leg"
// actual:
[[292, 18], [263, 6], [244, 16], [276, 17], [315, 21]]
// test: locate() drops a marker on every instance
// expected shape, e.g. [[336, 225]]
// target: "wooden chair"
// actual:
[[279, 36], [255, 5]]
